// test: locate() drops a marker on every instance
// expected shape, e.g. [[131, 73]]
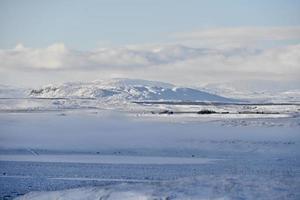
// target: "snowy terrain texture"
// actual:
[[135, 139], [125, 90]]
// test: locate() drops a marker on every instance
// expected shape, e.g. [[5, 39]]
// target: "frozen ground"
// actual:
[[131, 139], [101, 154]]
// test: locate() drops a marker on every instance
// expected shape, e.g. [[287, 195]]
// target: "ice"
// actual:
[[106, 159]]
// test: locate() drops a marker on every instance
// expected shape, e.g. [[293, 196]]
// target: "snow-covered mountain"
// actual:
[[125, 90], [257, 91]]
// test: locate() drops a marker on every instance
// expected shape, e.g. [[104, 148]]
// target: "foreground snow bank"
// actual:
[[213, 187], [88, 194]]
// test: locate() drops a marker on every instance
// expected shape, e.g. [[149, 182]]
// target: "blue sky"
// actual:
[[91, 23], [185, 42]]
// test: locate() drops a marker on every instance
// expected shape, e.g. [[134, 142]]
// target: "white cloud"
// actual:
[[238, 36], [279, 64], [57, 56], [179, 64], [51, 57]]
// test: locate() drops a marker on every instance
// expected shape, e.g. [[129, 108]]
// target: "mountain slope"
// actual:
[[126, 90], [258, 91]]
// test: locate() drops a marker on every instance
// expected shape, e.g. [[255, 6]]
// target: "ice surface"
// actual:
[[105, 159]]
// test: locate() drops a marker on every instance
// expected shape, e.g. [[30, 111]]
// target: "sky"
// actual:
[[191, 42]]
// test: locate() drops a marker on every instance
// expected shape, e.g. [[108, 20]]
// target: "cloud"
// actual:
[[179, 64], [237, 36], [278, 64], [51, 57], [57, 56]]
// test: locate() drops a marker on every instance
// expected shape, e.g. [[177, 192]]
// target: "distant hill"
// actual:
[[126, 90]]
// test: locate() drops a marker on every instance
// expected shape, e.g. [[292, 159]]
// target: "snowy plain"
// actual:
[[56, 144]]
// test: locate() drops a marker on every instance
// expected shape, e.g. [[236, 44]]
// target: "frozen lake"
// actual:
[[110, 155]]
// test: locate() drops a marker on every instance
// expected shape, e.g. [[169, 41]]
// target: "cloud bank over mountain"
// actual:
[[176, 62]]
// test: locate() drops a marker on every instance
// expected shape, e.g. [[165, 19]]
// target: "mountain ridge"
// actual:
[[126, 90]]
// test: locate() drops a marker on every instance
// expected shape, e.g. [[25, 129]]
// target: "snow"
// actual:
[[88, 194], [198, 188], [90, 141], [257, 91], [125, 90], [124, 95]]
